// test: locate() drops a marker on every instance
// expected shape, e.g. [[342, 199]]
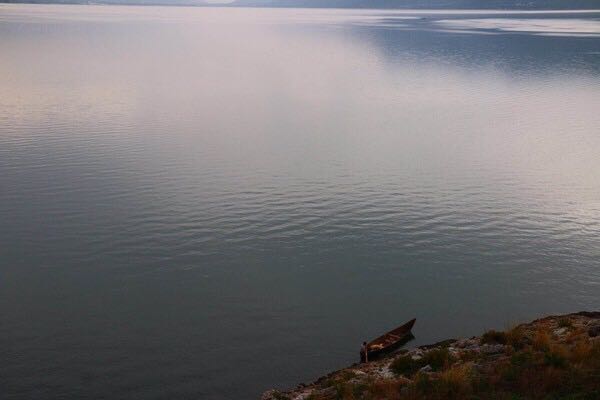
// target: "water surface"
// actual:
[[205, 203]]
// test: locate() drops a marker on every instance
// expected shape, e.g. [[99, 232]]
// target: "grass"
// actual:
[[565, 323], [541, 340], [535, 366], [494, 337], [517, 338], [280, 396], [437, 359]]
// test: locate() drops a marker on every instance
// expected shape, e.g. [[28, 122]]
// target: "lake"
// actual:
[[206, 203]]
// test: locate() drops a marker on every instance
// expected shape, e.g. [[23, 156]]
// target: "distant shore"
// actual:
[[554, 357], [506, 5]]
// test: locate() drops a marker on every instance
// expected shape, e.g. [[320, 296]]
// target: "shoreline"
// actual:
[[556, 356]]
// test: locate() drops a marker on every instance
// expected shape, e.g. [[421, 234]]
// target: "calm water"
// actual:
[[205, 203]]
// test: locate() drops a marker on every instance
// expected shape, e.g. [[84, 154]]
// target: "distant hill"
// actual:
[[437, 4], [387, 4]]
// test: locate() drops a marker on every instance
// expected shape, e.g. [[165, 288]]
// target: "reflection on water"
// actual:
[[206, 202], [547, 26]]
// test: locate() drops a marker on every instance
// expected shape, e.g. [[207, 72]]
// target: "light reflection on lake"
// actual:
[[208, 202]]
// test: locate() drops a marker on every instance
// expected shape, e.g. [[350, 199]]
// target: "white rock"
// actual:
[[303, 395], [385, 373], [426, 368], [560, 331]]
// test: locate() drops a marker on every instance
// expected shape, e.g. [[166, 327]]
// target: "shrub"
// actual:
[[386, 389], [565, 323], [592, 357], [494, 337], [555, 359], [422, 383], [522, 359], [519, 362], [405, 365], [359, 389], [347, 375], [581, 351], [437, 359], [517, 338], [344, 391], [456, 382], [280, 396], [541, 341]]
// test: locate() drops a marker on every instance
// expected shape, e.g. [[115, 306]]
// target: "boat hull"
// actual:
[[388, 342]]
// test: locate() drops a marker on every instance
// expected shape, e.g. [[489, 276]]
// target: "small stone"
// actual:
[[454, 351], [426, 368], [594, 330], [416, 357]]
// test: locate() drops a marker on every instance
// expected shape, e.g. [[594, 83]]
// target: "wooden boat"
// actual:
[[389, 341]]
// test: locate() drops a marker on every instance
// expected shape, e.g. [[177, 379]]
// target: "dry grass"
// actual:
[[437, 359], [494, 337], [565, 323], [541, 340], [535, 366], [387, 389], [517, 337], [457, 382]]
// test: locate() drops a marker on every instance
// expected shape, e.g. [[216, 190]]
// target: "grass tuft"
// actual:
[[565, 323], [541, 341], [437, 359], [494, 337]]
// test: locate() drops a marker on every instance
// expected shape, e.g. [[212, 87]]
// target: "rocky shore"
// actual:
[[556, 357]]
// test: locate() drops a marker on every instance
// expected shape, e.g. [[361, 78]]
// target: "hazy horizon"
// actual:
[[359, 4]]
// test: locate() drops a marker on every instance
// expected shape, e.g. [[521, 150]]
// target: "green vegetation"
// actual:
[[536, 363], [565, 323], [494, 337], [437, 359]]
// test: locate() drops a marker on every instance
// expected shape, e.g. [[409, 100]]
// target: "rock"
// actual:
[[385, 373], [594, 330], [328, 393], [303, 395], [467, 343], [560, 331], [426, 368], [416, 357], [492, 348], [454, 351]]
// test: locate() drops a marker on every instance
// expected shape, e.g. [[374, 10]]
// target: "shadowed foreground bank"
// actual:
[[556, 357]]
